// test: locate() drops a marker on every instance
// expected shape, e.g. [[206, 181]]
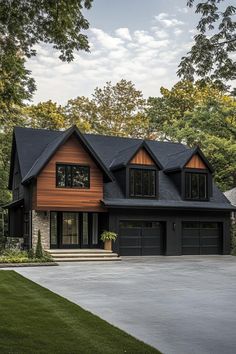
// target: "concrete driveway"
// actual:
[[177, 304]]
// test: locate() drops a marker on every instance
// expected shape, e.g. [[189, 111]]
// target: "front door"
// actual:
[[70, 230], [74, 230]]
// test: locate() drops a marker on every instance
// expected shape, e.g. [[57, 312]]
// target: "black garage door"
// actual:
[[141, 238], [202, 238]]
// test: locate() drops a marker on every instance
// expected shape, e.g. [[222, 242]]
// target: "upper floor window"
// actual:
[[196, 186], [72, 176], [142, 182]]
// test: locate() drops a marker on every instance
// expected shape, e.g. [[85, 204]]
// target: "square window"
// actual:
[[73, 176]]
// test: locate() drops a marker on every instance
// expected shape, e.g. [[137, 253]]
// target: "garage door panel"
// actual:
[[144, 240], [190, 250], [191, 241], [206, 239], [190, 232]]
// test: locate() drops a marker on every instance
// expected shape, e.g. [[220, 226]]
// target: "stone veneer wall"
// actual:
[[40, 221]]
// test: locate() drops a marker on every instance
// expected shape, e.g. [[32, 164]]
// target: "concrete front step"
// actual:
[[79, 251], [73, 255], [81, 255], [89, 259]]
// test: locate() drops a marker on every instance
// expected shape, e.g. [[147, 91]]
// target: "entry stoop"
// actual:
[[83, 255]]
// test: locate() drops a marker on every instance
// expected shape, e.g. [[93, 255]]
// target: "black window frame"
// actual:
[[143, 169], [207, 181], [68, 167]]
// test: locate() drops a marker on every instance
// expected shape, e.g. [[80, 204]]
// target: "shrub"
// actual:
[[39, 248], [108, 235], [13, 256], [233, 238], [31, 253]]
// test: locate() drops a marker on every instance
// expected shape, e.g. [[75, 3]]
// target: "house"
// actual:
[[231, 196], [159, 197]]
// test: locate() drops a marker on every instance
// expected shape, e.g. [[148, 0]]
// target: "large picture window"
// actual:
[[196, 186], [142, 183], [72, 176]]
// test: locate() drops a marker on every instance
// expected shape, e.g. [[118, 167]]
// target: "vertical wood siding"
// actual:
[[142, 158], [196, 162], [49, 197]]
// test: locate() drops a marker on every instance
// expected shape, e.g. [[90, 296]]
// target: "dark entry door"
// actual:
[[140, 238], [70, 236], [74, 230], [201, 238]]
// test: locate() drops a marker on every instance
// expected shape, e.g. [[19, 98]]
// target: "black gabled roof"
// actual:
[[178, 160], [123, 157], [36, 146]]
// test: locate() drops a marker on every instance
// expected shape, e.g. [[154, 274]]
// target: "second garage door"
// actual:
[[141, 238], [201, 238]]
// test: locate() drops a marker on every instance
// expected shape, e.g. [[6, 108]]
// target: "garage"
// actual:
[[201, 238], [141, 238]]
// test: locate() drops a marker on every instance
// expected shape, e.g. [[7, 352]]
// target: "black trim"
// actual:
[[141, 167], [191, 172], [67, 184]]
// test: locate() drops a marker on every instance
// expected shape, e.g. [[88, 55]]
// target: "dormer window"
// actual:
[[72, 176], [142, 182], [196, 186]]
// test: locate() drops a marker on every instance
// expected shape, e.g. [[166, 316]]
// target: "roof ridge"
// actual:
[[180, 152]]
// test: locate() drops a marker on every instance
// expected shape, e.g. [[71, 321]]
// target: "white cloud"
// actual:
[[168, 21], [149, 58], [123, 33]]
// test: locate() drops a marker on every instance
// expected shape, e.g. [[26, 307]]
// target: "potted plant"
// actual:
[[107, 237]]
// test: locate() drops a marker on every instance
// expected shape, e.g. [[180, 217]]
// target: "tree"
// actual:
[[196, 115], [113, 110], [211, 57], [39, 248], [46, 115], [24, 23]]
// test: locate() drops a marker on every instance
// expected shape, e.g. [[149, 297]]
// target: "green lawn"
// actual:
[[35, 320]]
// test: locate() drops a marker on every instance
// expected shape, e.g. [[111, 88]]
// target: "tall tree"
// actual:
[[196, 115], [113, 110], [212, 58], [46, 115], [23, 24]]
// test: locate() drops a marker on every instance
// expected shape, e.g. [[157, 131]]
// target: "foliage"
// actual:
[[46, 115], [196, 115], [13, 255], [31, 253], [23, 24], [233, 238], [108, 236], [39, 248], [211, 57], [113, 110]]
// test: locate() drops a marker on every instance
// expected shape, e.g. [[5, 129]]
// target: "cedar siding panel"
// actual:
[[49, 197], [142, 158], [196, 162]]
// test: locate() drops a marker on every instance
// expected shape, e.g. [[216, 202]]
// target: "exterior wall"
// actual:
[[142, 158], [48, 197], [41, 221], [196, 162], [173, 225]]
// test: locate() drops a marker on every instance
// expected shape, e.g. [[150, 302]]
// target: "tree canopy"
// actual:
[[211, 57], [196, 115]]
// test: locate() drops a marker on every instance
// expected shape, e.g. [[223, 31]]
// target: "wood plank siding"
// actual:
[[142, 158], [49, 197], [196, 162]]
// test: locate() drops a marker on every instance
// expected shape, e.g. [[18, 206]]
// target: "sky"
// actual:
[[137, 40]]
